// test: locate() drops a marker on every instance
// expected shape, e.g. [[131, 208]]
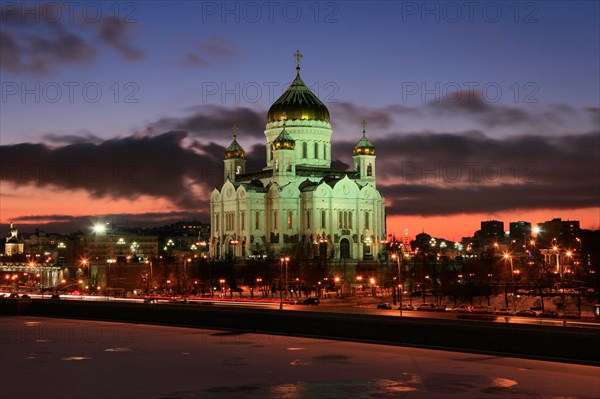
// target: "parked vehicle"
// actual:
[[431, 307], [384, 306], [407, 307], [464, 309], [572, 315], [310, 301], [14, 296], [526, 313], [25, 296], [504, 312], [549, 314], [482, 310], [55, 296]]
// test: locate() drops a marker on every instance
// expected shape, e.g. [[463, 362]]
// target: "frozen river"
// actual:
[[59, 358]]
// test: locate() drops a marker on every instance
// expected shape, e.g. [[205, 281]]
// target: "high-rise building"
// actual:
[[492, 230], [520, 231]]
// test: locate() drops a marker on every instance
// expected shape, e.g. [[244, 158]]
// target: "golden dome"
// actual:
[[284, 141], [234, 150], [364, 145], [298, 103]]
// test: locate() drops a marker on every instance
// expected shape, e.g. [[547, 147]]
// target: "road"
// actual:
[[58, 358], [341, 309]]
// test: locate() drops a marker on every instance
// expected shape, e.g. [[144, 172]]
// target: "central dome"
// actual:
[[298, 102]]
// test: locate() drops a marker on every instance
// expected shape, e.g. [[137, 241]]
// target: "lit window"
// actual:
[[289, 220]]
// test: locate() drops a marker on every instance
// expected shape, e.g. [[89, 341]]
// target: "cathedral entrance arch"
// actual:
[[344, 248]]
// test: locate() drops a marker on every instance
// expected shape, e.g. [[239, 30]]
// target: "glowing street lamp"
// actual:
[[400, 294], [283, 260], [507, 256]]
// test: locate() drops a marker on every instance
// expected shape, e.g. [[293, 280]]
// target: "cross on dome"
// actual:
[[235, 130], [297, 56]]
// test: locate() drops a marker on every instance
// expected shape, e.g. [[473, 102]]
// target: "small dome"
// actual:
[[234, 150], [284, 141], [364, 145]]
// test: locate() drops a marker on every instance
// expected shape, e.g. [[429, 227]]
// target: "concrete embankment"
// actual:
[[566, 344]]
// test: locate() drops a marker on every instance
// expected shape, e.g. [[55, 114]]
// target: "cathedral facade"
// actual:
[[297, 200]]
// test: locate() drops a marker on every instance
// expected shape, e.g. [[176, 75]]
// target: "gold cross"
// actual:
[[364, 124], [297, 56], [235, 129]]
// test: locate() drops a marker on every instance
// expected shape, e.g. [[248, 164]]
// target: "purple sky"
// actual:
[[493, 106]]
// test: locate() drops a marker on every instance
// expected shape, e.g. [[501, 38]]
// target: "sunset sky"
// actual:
[[489, 110]]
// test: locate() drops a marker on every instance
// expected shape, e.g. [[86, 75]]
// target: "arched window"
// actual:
[[316, 150], [242, 220], [323, 220], [304, 150], [290, 220], [369, 170], [350, 219], [345, 219], [216, 222], [257, 220], [308, 219], [274, 220], [324, 150], [366, 219]]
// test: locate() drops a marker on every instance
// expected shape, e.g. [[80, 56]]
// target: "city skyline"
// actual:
[[471, 121]]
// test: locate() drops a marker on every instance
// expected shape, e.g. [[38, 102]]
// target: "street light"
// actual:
[[397, 258], [512, 277], [282, 260]]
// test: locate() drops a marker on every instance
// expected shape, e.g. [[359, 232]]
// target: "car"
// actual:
[[150, 300], [407, 307], [310, 301], [55, 296], [504, 312], [384, 306], [25, 296], [482, 310], [2, 296], [526, 313], [14, 296], [431, 307], [464, 309], [549, 314], [572, 315]]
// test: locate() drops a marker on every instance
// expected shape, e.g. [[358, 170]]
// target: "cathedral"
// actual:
[[297, 199]]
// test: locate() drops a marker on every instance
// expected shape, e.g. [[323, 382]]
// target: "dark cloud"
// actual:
[[116, 33], [214, 122], [438, 174], [37, 53], [158, 166], [426, 200], [419, 173], [82, 138], [36, 43], [214, 49]]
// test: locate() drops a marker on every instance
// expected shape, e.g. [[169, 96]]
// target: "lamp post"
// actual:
[[281, 261], [397, 258], [512, 277], [109, 261]]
